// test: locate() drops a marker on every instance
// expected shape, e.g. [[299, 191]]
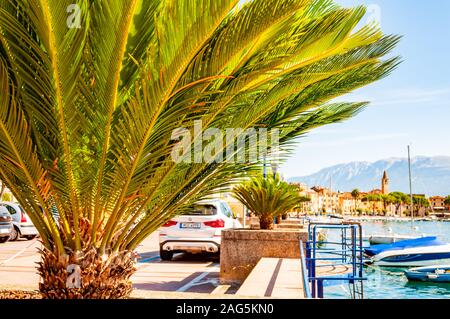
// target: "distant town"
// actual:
[[323, 200], [379, 202]]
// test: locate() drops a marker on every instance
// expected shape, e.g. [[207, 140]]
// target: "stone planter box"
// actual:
[[241, 249]]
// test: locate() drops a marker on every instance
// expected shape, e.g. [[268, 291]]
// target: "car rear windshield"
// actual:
[[202, 210]]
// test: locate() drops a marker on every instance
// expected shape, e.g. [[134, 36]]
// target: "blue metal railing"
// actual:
[[306, 287], [347, 253]]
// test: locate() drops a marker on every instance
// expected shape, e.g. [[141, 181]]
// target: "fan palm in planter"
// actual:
[[88, 109], [267, 198]]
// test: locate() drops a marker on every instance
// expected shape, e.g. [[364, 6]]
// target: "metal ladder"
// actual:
[[345, 254]]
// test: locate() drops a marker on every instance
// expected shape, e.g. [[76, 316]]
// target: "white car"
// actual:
[[197, 231], [22, 225], [5, 224]]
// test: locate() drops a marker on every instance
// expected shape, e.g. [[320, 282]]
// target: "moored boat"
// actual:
[[414, 257], [409, 243], [438, 273]]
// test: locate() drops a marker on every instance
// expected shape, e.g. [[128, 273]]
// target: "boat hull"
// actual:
[[421, 263], [403, 244], [429, 274], [414, 257]]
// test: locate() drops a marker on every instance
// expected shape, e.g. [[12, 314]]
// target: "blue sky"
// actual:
[[412, 106]]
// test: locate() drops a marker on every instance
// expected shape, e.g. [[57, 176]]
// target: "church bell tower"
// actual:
[[385, 183]]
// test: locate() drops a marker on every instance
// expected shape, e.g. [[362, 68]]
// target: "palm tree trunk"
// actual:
[[266, 222], [85, 276]]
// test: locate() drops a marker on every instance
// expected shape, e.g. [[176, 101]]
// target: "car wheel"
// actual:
[[165, 255], [14, 234], [30, 237], [4, 239]]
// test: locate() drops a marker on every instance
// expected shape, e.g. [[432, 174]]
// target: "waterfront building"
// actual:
[[437, 203], [346, 203], [328, 201]]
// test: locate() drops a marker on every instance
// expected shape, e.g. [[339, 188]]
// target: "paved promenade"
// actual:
[[186, 273]]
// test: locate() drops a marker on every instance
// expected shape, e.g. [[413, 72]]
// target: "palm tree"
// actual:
[[355, 194], [91, 112], [267, 198]]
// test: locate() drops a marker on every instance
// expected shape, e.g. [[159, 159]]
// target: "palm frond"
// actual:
[[89, 114]]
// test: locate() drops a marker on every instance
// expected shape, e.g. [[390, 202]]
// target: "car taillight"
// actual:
[[23, 218], [170, 223], [219, 223]]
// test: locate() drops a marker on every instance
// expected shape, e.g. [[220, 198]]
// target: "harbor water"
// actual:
[[391, 283]]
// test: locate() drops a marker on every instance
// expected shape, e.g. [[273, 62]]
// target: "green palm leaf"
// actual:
[[88, 113]]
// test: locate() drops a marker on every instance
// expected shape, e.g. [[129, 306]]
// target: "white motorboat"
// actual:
[[390, 237], [414, 257]]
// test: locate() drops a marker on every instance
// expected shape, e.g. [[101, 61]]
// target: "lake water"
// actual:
[[391, 283]]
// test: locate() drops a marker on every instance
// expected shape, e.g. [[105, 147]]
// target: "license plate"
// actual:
[[190, 225]]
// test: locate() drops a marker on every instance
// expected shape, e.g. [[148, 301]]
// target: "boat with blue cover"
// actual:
[[409, 243], [438, 273]]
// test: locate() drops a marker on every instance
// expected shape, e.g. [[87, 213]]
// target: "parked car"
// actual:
[[197, 231], [22, 225], [6, 225]]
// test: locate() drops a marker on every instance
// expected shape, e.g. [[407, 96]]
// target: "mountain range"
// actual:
[[430, 175]]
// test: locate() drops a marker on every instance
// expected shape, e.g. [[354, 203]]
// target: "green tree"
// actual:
[[356, 194], [399, 199], [267, 198], [421, 202], [387, 200], [447, 201], [93, 118], [372, 199]]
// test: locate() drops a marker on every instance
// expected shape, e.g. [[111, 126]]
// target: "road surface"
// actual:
[[185, 273]]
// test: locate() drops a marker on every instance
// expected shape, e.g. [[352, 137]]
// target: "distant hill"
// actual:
[[430, 175]]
